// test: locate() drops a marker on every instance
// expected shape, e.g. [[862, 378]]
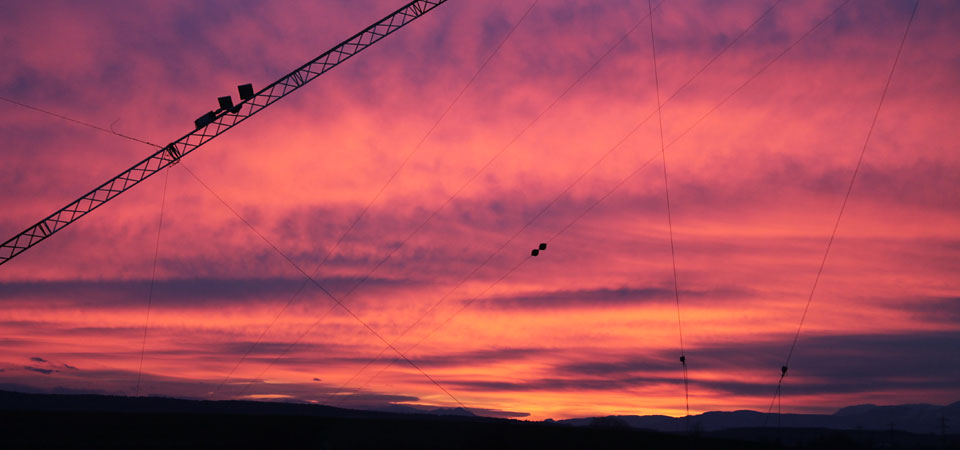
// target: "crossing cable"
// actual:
[[363, 212], [163, 198], [666, 190], [441, 325], [638, 169], [510, 271], [468, 182], [156, 251], [270, 243], [153, 277], [843, 206], [654, 156], [86, 124], [569, 187], [600, 199], [318, 285]]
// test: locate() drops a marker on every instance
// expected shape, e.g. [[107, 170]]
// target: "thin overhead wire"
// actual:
[[79, 122], [476, 175], [435, 329], [570, 224], [564, 192], [843, 206], [776, 396], [373, 200], [779, 407], [156, 250], [495, 157], [654, 156], [666, 189], [153, 278], [853, 179], [552, 238], [320, 286]]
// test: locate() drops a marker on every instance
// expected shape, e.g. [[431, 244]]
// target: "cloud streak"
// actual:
[[589, 327]]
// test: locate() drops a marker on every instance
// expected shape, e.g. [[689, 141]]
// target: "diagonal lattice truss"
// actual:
[[224, 121]]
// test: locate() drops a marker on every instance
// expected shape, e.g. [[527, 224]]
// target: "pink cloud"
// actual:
[[755, 188]]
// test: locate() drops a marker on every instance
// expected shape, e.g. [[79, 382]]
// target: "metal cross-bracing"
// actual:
[[93, 199], [223, 121]]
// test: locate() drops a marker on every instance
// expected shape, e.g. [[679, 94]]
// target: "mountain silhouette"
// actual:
[[104, 421], [913, 418], [44, 421]]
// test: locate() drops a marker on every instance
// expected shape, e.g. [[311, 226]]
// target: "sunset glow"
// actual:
[[587, 328]]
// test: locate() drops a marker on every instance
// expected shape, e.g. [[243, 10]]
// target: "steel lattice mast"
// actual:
[[215, 125]]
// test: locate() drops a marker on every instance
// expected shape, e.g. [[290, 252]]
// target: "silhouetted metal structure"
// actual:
[[213, 124]]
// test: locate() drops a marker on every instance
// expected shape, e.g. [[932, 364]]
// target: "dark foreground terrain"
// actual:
[[56, 421], [169, 430]]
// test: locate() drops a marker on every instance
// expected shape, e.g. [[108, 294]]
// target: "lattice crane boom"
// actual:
[[212, 125]]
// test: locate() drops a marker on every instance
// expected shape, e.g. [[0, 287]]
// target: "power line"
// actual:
[[513, 269], [153, 277], [79, 122], [442, 324], [337, 301], [156, 250], [492, 159], [639, 168], [517, 266], [373, 200], [475, 176], [569, 187], [666, 189], [318, 285], [853, 178], [843, 205], [662, 152], [215, 123]]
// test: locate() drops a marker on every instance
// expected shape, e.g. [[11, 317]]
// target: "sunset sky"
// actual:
[[588, 327]]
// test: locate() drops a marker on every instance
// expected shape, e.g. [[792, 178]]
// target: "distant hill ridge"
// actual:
[[915, 418]]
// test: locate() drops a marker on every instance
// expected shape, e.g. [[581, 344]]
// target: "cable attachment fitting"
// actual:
[[174, 154], [783, 371], [683, 359]]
